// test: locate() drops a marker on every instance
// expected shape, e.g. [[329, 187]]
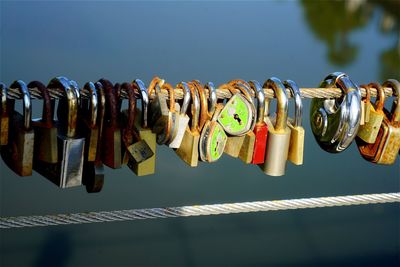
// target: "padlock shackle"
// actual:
[[195, 108], [93, 103], [282, 102], [212, 97], [243, 87], [100, 120], [77, 90], [204, 114], [395, 85], [380, 98], [3, 92], [367, 93], [298, 109], [186, 97], [111, 114], [141, 87], [171, 94], [128, 132], [259, 92], [27, 104], [47, 113]]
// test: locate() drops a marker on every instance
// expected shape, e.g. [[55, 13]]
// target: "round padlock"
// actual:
[[335, 122]]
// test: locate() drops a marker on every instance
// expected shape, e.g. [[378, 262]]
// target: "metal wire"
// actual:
[[202, 210], [221, 93]]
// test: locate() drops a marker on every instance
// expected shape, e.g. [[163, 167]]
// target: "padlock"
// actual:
[[46, 147], [213, 137], [68, 171], [141, 126], [387, 143], [4, 119], [189, 149], [333, 125], [369, 131], [182, 117], [88, 121], [278, 138], [237, 118], [261, 129], [163, 118], [93, 171], [18, 154], [111, 139], [208, 105], [296, 144], [135, 150]]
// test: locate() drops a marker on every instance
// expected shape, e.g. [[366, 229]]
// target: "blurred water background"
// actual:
[[209, 41]]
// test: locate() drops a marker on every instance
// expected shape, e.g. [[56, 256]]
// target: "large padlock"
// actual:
[[387, 143], [5, 117], [93, 171], [369, 131], [189, 149], [335, 122], [18, 154], [135, 150], [296, 145], [141, 126], [182, 117], [111, 139], [46, 147], [278, 132], [260, 129]]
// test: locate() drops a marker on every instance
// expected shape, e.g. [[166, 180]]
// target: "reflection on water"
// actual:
[[333, 21]]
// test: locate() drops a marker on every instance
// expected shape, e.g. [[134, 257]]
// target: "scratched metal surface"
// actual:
[[211, 41]]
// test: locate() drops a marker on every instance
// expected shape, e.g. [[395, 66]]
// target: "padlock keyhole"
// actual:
[[237, 118]]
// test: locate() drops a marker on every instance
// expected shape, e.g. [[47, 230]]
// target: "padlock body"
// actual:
[[236, 116], [91, 140], [189, 149], [111, 148], [18, 154], [149, 166], [261, 133], [139, 151], [369, 131], [4, 130], [277, 150], [296, 144], [247, 149], [93, 177], [212, 141], [71, 161], [46, 147], [233, 145]]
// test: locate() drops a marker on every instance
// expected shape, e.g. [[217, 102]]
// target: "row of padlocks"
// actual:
[[93, 130]]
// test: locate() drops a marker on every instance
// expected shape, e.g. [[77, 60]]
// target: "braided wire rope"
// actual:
[[197, 210]]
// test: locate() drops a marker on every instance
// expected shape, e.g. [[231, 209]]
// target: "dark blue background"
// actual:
[[209, 41]]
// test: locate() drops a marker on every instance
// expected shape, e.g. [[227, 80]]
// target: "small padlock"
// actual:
[[93, 171], [278, 132], [18, 154], [213, 137], [141, 126], [182, 118], [5, 117], [387, 143], [296, 144], [369, 131], [261, 129], [189, 149], [208, 105], [46, 147], [135, 150], [333, 125], [111, 139]]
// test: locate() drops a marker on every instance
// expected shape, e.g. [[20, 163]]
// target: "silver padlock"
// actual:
[[335, 122], [278, 132]]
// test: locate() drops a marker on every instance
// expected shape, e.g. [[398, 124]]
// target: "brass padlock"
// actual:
[[387, 143], [369, 131], [333, 126], [46, 147], [278, 132], [135, 150], [261, 129], [141, 126], [296, 144], [111, 140], [18, 154], [5, 117], [189, 149], [182, 118]]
